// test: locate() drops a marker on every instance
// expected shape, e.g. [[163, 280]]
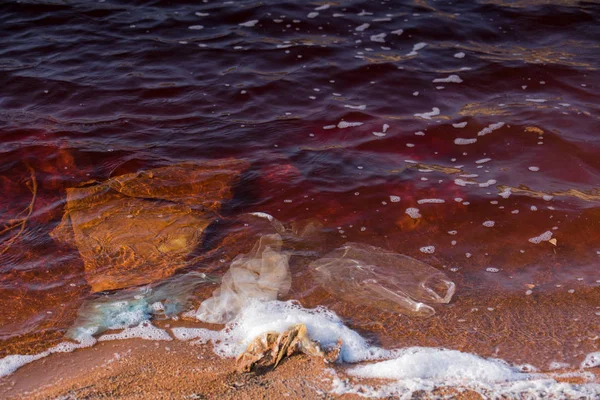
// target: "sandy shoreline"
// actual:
[[141, 369], [136, 369]]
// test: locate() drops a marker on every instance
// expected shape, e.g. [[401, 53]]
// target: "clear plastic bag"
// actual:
[[376, 277], [261, 274]]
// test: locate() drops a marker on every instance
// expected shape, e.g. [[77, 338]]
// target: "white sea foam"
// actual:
[[380, 37], [249, 24], [427, 249], [448, 79], [427, 115], [544, 237], [345, 124], [459, 55], [263, 215], [505, 193], [490, 128], [186, 334], [145, 330], [11, 363], [459, 125], [397, 32], [322, 325], [440, 365], [488, 224], [416, 48], [483, 161], [196, 27], [462, 141], [323, 7], [313, 14], [431, 201], [394, 199], [360, 107], [489, 183], [591, 360], [413, 212], [537, 100], [462, 182], [362, 27]]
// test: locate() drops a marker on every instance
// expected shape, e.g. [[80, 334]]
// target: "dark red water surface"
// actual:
[[91, 90]]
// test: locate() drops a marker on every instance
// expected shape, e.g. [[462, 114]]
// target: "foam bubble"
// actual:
[[397, 32], [362, 27], [145, 330], [427, 249], [434, 111], [489, 224], [394, 199], [533, 168], [416, 48], [489, 183], [490, 128], [505, 193], [459, 125], [200, 334], [462, 182], [537, 100], [380, 37], [263, 215], [459, 55], [483, 161], [413, 212], [544, 237], [313, 14], [448, 79], [431, 201], [249, 24], [463, 141], [345, 124], [591, 360], [360, 107]]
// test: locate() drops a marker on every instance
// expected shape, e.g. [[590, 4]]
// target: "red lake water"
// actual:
[[462, 134]]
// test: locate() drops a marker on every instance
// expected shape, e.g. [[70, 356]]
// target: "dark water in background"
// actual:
[[90, 90]]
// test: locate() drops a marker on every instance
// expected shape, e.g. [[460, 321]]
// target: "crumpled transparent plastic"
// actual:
[[379, 278], [261, 274]]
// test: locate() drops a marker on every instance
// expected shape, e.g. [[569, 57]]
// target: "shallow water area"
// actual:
[[461, 135]]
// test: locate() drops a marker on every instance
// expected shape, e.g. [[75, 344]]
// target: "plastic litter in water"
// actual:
[[379, 278], [262, 274]]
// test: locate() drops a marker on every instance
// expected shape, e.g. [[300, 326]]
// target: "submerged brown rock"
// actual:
[[140, 227]]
